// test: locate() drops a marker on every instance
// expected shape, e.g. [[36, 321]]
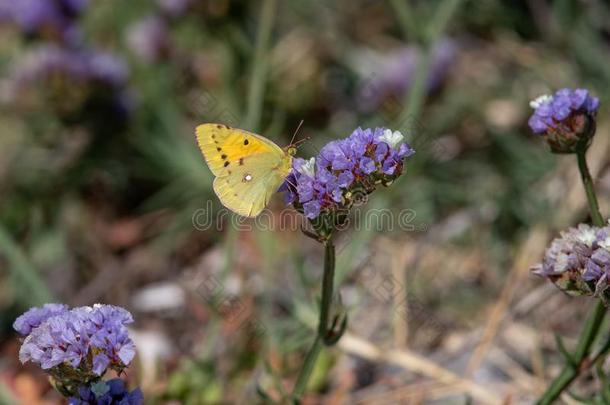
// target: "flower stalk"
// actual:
[[587, 181], [327, 333], [579, 360]]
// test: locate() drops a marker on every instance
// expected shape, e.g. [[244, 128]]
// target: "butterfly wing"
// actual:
[[224, 148], [248, 189], [248, 167]]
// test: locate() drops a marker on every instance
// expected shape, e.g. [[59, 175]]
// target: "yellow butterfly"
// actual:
[[248, 167]]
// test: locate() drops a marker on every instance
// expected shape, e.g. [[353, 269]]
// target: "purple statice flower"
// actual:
[[54, 18], [344, 168], [88, 339], [578, 262], [111, 392], [391, 75], [35, 316], [148, 38], [566, 119]]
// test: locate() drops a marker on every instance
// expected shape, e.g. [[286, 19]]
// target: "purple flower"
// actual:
[[35, 316], [72, 79], [391, 75], [44, 17], [566, 119], [148, 39], [112, 392], [58, 336], [360, 162], [578, 262], [174, 8]]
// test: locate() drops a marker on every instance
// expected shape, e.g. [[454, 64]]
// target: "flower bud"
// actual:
[[566, 120], [578, 262]]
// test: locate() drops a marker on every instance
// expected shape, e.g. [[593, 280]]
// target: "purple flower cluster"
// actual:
[[358, 163], [392, 75], [88, 339], [77, 75], [565, 118], [111, 392], [44, 17], [578, 262]]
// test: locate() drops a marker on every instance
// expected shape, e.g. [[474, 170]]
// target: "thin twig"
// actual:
[[417, 364], [529, 250]]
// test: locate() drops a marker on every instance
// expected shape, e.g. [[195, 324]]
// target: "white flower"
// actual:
[[308, 167], [538, 101], [391, 138]]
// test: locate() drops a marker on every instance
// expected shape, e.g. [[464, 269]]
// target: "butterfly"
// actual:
[[249, 168]]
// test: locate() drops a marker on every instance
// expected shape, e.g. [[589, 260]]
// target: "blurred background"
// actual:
[[102, 188]]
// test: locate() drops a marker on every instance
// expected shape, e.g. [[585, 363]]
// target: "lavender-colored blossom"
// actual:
[[73, 337], [35, 316], [112, 392], [565, 119], [148, 38], [357, 163], [43, 17], [55, 72], [391, 75], [174, 8], [578, 262]]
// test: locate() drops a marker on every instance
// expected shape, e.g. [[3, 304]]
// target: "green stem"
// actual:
[[259, 67], [307, 369], [572, 370], [323, 325], [427, 35], [578, 362], [327, 287], [587, 181]]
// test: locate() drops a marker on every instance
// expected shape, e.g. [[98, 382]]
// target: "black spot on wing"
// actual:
[[226, 164], [246, 142]]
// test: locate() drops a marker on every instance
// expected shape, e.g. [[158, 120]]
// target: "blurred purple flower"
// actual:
[[393, 74], [358, 163], [111, 392], [70, 78], [565, 119], [35, 316], [578, 262], [148, 38], [43, 17], [73, 337], [174, 8]]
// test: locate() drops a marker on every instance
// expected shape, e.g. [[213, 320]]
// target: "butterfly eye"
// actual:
[[292, 151]]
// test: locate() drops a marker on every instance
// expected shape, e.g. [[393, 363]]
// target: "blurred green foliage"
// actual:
[[60, 178]]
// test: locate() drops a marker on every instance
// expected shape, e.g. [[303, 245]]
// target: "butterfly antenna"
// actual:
[[295, 133], [301, 141]]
